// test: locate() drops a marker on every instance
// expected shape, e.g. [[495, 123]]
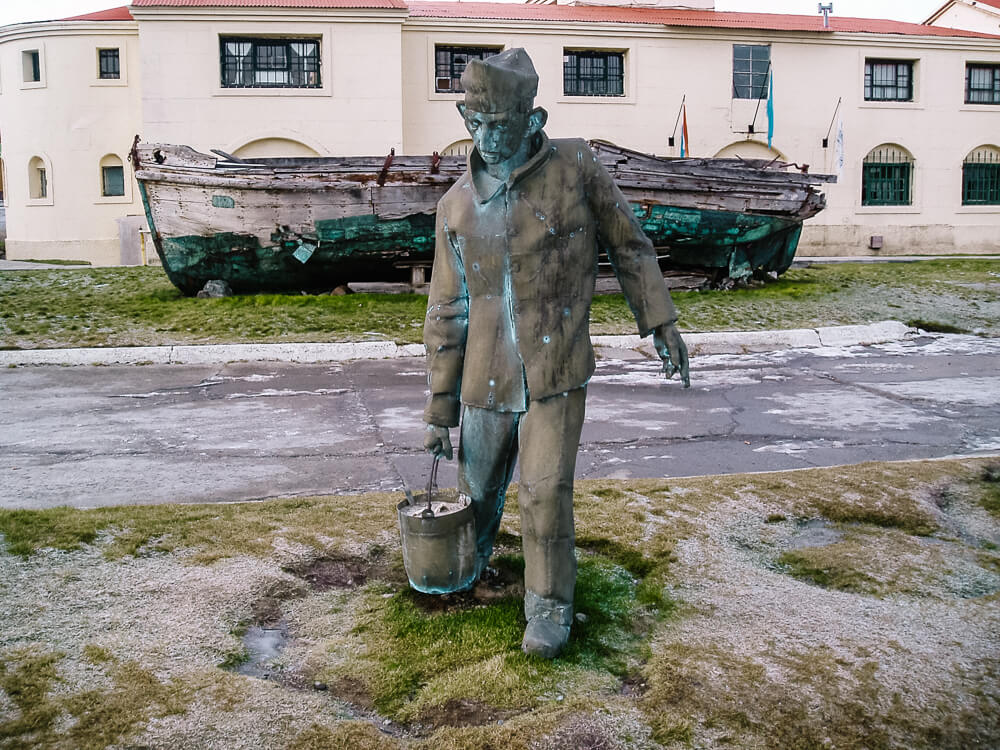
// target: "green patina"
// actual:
[[349, 249]]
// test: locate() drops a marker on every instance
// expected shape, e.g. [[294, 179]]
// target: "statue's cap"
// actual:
[[500, 83]]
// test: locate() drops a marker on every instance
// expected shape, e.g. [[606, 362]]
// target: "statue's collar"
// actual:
[[540, 154]]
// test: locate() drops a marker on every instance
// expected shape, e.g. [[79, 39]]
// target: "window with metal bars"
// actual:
[[593, 73], [889, 80], [108, 64], [751, 70], [887, 177], [450, 62], [270, 63], [981, 177], [982, 84]]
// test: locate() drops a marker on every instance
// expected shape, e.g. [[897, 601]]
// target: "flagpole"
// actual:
[[680, 109]]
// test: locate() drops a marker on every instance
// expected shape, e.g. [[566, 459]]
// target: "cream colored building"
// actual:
[[973, 15], [332, 78]]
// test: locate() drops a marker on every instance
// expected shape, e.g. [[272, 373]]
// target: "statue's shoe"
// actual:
[[544, 638]]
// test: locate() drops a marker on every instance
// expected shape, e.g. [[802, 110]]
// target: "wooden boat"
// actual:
[[310, 224], [733, 217]]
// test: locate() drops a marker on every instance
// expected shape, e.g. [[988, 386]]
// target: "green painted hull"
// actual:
[[210, 223]]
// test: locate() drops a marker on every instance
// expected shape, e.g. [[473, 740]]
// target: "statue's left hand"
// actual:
[[673, 351]]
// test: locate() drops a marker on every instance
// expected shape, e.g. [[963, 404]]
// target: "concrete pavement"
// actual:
[[210, 432]]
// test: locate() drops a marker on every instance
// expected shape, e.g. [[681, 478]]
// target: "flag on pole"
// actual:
[[685, 145], [838, 149], [770, 110]]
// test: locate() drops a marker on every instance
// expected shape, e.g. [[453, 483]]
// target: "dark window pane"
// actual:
[[885, 184], [751, 70], [450, 63], [109, 65], [270, 63], [981, 184], [982, 84], [112, 181], [593, 73], [888, 81]]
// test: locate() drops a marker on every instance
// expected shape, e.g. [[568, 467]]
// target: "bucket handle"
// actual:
[[431, 481]]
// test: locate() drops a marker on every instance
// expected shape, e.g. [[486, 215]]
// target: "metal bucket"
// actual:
[[439, 549]]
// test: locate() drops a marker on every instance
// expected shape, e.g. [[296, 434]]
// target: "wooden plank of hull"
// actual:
[[183, 210], [243, 222]]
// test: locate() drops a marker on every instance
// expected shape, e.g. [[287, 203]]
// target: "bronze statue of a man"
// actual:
[[507, 334]]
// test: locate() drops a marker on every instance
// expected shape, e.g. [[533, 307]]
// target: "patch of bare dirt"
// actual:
[[495, 583], [465, 713], [346, 571]]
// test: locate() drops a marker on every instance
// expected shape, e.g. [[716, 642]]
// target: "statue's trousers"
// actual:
[[546, 437]]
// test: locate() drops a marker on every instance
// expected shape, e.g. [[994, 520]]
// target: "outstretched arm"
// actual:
[[634, 260]]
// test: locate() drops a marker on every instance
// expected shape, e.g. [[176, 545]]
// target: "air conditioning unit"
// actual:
[[442, 84]]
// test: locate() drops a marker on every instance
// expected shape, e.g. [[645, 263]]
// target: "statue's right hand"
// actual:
[[437, 440]]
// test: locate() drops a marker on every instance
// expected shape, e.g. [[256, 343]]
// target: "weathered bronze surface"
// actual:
[[507, 327]]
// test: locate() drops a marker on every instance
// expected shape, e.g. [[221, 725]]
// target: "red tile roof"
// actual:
[[672, 17], [268, 4], [111, 14]]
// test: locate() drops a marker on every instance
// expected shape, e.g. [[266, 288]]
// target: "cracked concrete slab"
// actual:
[[90, 436]]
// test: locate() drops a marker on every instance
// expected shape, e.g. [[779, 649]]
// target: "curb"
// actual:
[[721, 342]]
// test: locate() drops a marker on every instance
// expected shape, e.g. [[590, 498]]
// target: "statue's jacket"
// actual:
[[513, 277]]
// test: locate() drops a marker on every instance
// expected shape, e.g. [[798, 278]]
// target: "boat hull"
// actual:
[[310, 227]]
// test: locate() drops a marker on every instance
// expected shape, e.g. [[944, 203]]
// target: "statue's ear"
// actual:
[[537, 120]]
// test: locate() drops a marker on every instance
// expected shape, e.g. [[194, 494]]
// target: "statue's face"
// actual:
[[498, 136]]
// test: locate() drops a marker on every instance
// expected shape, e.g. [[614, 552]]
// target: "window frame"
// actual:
[[105, 170], [117, 66], [870, 85], [44, 166], [994, 88], [881, 178], [480, 50], [38, 65], [752, 93], [985, 161], [257, 42], [591, 53]]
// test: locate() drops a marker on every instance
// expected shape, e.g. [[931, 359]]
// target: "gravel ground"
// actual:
[[752, 657]]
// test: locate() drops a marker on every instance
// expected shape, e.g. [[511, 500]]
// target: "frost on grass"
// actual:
[[853, 607]]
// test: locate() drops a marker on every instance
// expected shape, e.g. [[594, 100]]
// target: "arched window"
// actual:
[[277, 147], [38, 179], [748, 149], [458, 148], [887, 176], [112, 176], [981, 177]]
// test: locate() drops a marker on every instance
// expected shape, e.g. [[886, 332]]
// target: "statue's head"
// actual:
[[499, 109]]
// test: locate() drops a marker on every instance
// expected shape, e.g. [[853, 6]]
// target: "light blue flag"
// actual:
[[770, 110]]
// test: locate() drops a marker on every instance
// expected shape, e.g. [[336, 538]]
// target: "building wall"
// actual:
[[378, 94], [356, 112], [664, 66], [70, 120], [962, 16]]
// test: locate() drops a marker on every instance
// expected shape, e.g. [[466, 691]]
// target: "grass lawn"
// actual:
[[848, 607], [138, 306]]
